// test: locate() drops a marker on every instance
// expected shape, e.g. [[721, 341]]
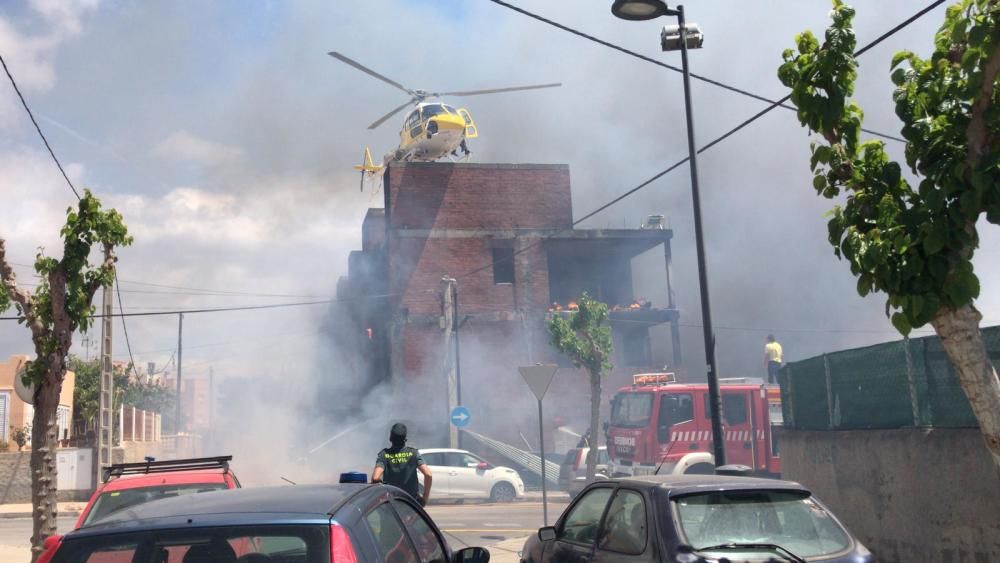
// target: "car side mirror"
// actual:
[[483, 465], [548, 533], [471, 555]]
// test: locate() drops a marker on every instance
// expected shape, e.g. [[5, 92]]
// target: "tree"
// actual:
[[914, 245], [61, 305], [133, 391], [87, 390], [585, 337]]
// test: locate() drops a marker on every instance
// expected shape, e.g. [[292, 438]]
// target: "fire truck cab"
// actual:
[[659, 423]]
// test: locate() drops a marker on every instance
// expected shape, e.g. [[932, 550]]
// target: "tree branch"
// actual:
[[976, 134], [60, 318], [22, 297]]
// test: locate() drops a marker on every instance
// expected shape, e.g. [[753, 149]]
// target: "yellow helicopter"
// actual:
[[432, 130]]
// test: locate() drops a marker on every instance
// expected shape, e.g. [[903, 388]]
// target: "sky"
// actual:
[[225, 135]]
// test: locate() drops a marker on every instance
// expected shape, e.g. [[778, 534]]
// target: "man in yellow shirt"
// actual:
[[773, 356]]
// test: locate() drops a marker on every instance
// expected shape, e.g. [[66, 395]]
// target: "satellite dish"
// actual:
[[25, 393]]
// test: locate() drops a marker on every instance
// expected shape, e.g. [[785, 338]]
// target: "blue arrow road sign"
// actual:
[[460, 416]]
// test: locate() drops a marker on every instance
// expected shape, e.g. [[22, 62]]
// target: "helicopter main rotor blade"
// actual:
[[382, 119], [497, 90], [370, 72]]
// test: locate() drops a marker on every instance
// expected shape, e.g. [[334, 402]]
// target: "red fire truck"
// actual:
[[657, 422]]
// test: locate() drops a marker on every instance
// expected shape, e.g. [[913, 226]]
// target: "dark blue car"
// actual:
[[693, 518], [344, 523]]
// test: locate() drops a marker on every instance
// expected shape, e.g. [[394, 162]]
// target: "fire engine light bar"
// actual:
[[653, 378]]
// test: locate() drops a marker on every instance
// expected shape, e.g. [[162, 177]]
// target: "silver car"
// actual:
[[573, 471]]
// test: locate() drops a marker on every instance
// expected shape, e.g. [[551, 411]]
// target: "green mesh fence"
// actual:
[[879, 387]]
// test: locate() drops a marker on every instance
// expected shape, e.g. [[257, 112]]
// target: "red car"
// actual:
[[129, 484]]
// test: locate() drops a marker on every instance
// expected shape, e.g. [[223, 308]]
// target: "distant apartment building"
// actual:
[[505, 232], [15, 413], [196, 401]]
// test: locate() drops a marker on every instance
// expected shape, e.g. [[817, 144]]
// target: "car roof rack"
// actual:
[[151, 466]]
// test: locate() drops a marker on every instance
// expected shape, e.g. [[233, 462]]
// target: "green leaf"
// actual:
[[993, 214], [958, 32], [916, 306], [938, 267], [977, 35], [899, 57], [901, 323], [820, 155], [819, 182], [933, 242], [891, 173], [969, 203], [864, 285], [934, 199], [898, 76]]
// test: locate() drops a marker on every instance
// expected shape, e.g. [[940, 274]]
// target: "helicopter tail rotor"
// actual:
[[368, 167]]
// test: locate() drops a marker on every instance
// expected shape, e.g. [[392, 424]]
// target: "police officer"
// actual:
[[398, 465]]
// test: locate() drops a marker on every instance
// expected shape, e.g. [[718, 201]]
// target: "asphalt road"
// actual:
[[482, 524], [16, 532]]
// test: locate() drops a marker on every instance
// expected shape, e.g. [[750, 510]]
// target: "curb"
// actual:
[[8, 515]]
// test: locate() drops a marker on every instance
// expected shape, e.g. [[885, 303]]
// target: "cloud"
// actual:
[[64, 15], [183, 146], [30, 56]]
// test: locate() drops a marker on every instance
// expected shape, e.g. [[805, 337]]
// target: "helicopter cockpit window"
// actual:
[[432, 110], [450, 109]]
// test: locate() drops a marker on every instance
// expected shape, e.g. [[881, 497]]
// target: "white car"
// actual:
[[459, 474]]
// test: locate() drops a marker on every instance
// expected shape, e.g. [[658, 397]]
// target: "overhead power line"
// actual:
[[68, 182], [37, 128], [712, 81], [125, 328], [711, 144], [192, 291], [226, 309]]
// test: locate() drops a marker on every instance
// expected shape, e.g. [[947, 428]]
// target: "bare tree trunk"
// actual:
[[595, 419], [43, 458], [962, 340]]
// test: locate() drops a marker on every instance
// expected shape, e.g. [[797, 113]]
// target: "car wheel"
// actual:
[[503, 492]]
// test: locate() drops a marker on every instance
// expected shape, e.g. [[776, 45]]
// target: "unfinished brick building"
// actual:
[[505, 233]]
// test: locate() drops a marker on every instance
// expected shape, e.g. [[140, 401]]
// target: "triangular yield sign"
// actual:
[[538, 377]]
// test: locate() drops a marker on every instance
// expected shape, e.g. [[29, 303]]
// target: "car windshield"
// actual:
[[275, 544], [789, 519], [631, 410], [116, 500]]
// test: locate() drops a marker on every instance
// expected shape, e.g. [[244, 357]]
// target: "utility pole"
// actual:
[[448, 326], [180, 354], [211, 396], [455, 326], [106, 392]]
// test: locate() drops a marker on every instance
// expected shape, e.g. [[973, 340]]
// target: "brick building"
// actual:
[[505, 233]]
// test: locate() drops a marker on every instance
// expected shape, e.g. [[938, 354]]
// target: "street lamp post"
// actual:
[[671, 40]]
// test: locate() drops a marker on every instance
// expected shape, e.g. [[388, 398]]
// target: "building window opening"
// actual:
[[503, 265], [636, 348]]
